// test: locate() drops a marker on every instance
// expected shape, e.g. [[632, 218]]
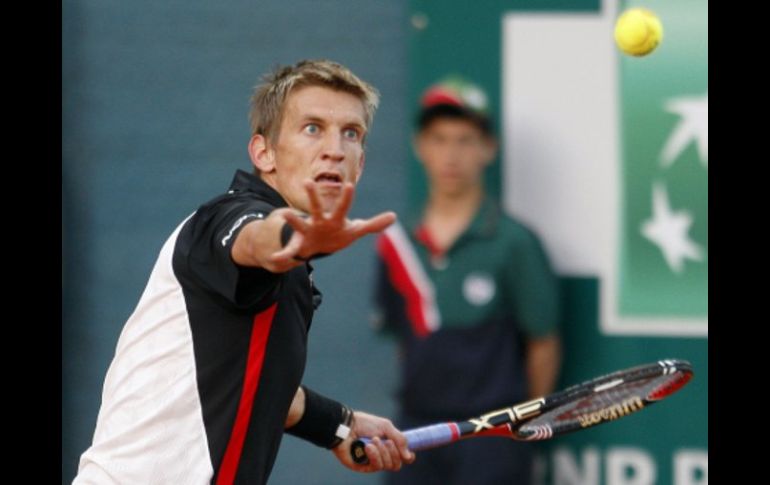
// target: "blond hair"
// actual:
[[269, 98]]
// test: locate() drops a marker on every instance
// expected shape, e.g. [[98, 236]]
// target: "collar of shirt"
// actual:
[[484, 223], [245, 181]]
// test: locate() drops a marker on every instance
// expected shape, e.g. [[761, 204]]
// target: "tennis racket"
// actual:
[[578, 407]]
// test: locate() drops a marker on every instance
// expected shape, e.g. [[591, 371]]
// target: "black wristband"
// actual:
[[320, 424]]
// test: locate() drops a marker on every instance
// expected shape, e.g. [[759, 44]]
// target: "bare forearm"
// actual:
[[296, 410], [543, 364], [259, 240]]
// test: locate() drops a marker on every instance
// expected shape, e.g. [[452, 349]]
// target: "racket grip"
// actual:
[[417, 439]]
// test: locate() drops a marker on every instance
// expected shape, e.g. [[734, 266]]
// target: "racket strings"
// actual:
[[582, 411]]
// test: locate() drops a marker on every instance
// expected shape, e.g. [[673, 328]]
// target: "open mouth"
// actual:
[[328, 178]]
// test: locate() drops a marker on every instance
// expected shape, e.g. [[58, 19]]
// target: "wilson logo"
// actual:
[[610, 413]]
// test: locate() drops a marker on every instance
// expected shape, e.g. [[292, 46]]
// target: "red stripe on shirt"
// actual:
[[260, 331], [404, 285]]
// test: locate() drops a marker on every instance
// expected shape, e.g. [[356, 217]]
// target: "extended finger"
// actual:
[[297, 222], [346, 200], [377, 223], [316, 209]]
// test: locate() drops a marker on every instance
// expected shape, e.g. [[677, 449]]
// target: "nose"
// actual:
[[332, 149]]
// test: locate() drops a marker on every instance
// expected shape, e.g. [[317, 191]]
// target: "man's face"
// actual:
[[321, 139], [454, 153]]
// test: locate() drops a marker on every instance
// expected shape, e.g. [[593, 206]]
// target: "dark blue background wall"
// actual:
[[155, 101]]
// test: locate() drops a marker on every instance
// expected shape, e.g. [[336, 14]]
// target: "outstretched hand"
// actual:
[[327, 232]]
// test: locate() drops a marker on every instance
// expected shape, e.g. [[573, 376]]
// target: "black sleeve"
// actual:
[[205, 249]]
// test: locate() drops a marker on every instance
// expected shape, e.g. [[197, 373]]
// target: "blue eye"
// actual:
[[312, 129], [351, 134]]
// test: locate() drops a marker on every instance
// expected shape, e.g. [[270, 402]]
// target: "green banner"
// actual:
[[664, 126]]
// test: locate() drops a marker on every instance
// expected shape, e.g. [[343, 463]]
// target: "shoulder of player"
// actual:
[[236, 201]]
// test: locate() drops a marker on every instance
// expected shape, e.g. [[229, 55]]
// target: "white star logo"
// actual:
[[693, 125], [668, 231]]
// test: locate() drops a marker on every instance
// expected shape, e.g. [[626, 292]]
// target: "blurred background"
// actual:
[[154, 110]]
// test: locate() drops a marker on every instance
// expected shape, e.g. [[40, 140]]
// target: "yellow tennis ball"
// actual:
[[638, 31]]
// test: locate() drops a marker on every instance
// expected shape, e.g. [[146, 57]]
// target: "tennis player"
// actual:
[[207, 373]]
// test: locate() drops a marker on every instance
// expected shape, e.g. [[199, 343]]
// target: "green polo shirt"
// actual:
[[496, 268], [463, 318]]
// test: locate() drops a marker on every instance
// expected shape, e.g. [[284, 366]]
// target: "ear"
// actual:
[[490, 149], [361, 164], [262, 156]]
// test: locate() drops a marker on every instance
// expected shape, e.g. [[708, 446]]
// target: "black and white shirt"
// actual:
[[207, 365]]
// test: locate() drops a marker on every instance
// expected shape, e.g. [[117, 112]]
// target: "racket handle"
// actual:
[[417, 439]]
